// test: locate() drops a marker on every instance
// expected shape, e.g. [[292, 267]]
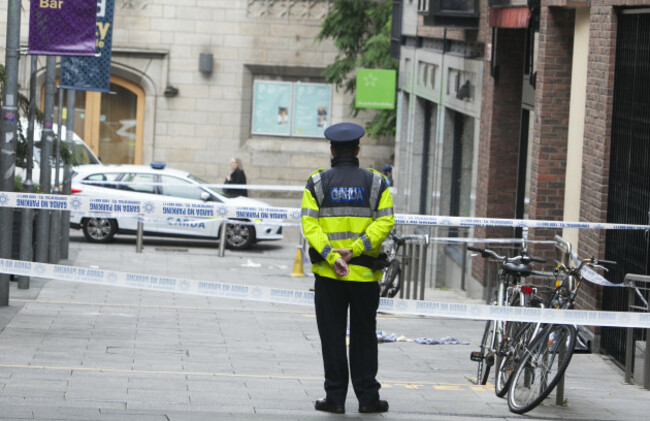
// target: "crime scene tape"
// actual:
[[165, 206], [268, 187], [185, 221], [592, 276], [306, 298], [516, 241]]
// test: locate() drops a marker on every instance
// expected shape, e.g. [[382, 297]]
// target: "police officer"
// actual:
[[347, 212]]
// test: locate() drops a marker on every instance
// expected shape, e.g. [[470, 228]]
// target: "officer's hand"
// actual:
[[346, 254], [340, 267]]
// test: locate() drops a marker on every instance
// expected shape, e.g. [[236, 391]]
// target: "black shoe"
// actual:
[[327, 406], [378, 406]]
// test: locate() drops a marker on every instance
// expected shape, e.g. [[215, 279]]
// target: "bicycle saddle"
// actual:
[[520, 269]]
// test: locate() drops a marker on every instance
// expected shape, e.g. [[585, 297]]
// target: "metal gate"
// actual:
[[629, 175]]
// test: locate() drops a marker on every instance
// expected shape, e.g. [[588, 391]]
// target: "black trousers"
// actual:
[[333, 298]]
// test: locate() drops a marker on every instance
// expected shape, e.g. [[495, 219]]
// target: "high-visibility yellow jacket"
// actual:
[[351, 208]]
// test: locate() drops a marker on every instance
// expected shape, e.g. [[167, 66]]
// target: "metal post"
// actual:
[[27, 222], [402, 274], [43, 219], [55, 223], [222, 238], [67, 172], [559, 388], [629, 341], [413, 271], [139, 238], [423, 266], [8, 137], [463, 273], [415, 266], [409, 266], [646, 361]]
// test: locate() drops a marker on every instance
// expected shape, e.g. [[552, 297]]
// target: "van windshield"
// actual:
[[80, 155]]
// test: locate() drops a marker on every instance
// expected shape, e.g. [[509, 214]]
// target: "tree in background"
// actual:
[[361, 32], [23, 101]]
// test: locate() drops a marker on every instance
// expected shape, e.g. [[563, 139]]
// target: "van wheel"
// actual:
[[99, 230]]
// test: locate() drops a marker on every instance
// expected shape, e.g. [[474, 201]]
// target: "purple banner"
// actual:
[[62, 27]]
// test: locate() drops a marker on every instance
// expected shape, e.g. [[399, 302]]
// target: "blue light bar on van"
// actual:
[[158, 165]]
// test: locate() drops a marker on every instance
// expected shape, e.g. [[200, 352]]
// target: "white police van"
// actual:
[[140, 182], [80, 154]]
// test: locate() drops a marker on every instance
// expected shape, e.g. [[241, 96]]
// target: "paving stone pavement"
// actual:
[[71, 351]]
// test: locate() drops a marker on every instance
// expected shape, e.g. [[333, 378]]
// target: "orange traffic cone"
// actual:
[[297, 264]]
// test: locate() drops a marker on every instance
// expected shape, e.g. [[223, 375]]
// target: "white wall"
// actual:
[[576, 124]]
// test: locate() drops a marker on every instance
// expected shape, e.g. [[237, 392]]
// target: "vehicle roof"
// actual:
[[38, 129], [113, 168]]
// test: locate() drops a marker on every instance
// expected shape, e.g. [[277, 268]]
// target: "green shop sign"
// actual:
[[375, 89]]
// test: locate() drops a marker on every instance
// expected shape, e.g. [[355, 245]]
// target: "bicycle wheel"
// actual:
[[390, 280], [508, 330], [510, 352], [543, 364], [485, 356]]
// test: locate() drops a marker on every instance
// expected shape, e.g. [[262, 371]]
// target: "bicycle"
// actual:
[[390, 282], [509, 293], [546, 357]]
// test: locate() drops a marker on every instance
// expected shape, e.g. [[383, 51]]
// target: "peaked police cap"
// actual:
[[342, 133]]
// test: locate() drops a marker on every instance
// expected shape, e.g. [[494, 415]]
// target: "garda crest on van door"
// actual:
[[347, 194]]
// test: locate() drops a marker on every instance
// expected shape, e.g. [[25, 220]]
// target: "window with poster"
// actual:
[[291, 109]]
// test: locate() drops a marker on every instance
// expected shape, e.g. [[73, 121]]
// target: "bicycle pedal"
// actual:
[[476, 356], [489, 360]]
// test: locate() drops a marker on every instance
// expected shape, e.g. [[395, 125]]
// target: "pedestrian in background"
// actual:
[[347, 212], [388, 172], [237, 176]]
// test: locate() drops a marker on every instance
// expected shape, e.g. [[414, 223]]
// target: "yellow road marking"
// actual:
[[447, 387]]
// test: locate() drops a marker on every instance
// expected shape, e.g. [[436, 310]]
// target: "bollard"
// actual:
[[54, 245], [139, 238], [26, 243], [222, 239]]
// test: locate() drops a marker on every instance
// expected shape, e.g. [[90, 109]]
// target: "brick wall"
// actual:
[[552, 101], [499, 138], [598, 119]]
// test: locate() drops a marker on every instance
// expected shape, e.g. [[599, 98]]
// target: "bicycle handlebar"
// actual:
[[401, 240], [591, 262], [517, 259]]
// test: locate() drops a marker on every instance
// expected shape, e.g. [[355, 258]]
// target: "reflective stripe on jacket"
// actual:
[[346, 207]]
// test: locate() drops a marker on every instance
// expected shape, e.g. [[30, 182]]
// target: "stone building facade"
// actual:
[[197, 118]]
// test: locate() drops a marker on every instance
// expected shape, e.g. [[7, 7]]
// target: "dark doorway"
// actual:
[[629, 179]]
